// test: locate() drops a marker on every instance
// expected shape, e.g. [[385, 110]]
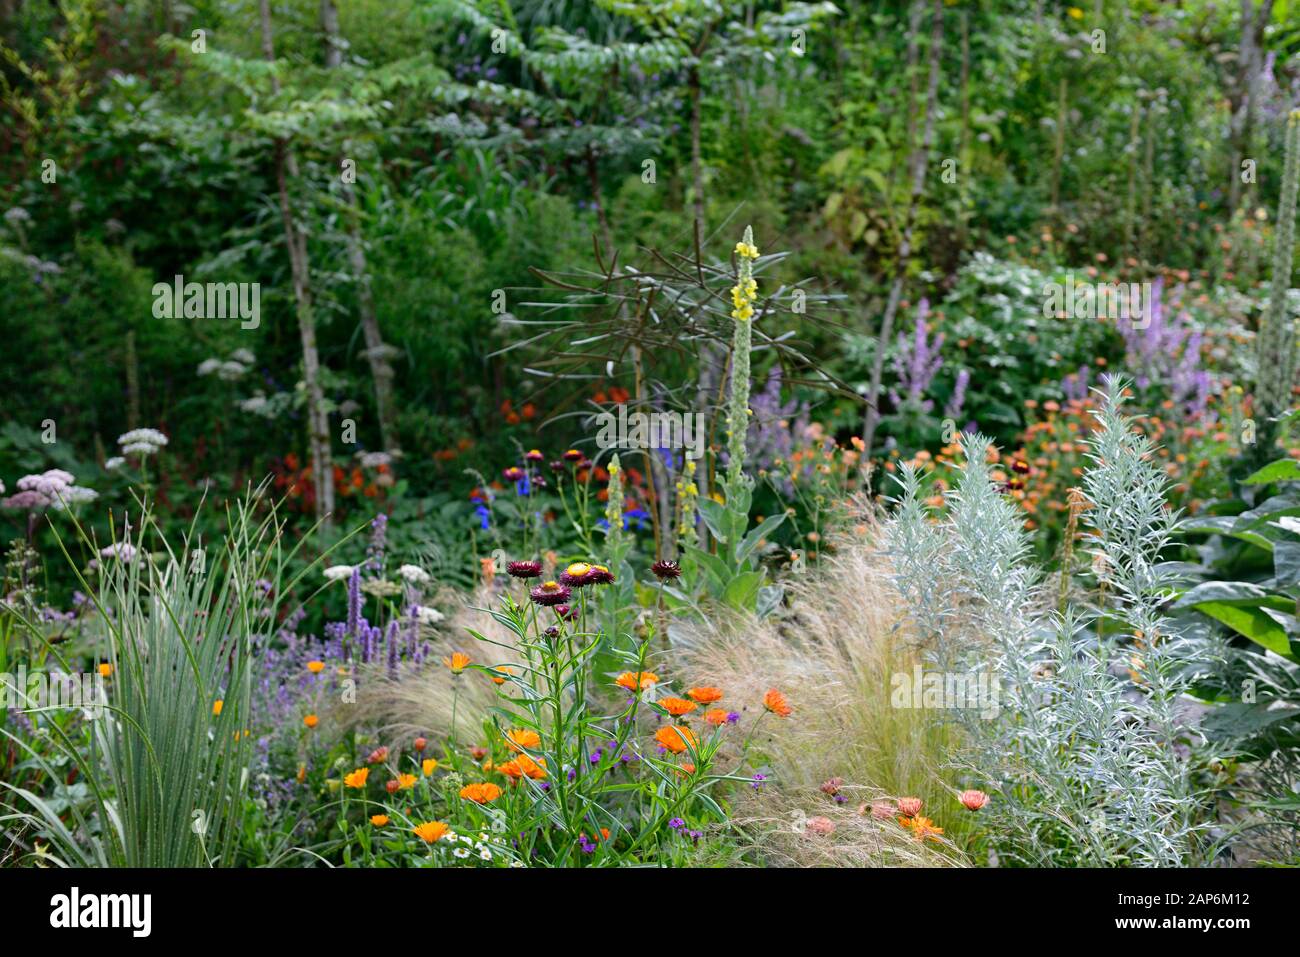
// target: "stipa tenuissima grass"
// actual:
[[1087, 757]]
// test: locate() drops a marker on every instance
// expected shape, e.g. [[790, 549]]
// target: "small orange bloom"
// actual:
[[677, 706], [315, 667], [636, 681], [521, 738], [428, 766], [716, 716], [479, 793], [775, 702], [500, 674], [379, 820], [357, 779], [311, 721], [705, 695], [431, 831], [675, 738], [105, 670], [405, 781], [974, 800], [216, 707], [456, 662]]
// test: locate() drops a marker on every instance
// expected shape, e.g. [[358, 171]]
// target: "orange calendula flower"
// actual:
[[500, 675], [357, 779], [315, 667], [311, 721], [687, 768], [428, 766], [405, 781], [675, 738], [521, 738], [636, 680], [457, 662], [431, 831], [379, 820], [480, 793], [677, 706], [105, 670], [716, 716], [524, 767], [217, 706], [775, 702], [705, 695], [921, 827]]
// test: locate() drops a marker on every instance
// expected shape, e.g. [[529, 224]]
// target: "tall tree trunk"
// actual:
[[318, 437], [1250, 61], [920, 160], [378, 353]]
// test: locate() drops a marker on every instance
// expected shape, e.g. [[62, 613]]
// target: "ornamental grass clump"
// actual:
[[165, 761]]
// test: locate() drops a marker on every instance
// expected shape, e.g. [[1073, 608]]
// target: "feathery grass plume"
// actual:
[[837, 660], [1276, 342], [166, 761]]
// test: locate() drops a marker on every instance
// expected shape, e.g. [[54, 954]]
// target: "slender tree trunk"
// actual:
[[286, 168], [1250, 59], [697, 160], [920, 160], [378, 353]]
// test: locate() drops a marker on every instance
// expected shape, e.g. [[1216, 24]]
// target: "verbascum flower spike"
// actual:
[[1276, 342], [743, 296], [614, 505], [687, 494]]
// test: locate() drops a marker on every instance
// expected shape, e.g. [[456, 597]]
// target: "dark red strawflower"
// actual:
[[532, 455], [513, 474], [600, 575], [557, 466], [666, 570], [578, 575], [1021, 466], [524, 569], [550, 593], [573, 455]]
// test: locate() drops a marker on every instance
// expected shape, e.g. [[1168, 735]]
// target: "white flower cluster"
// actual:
[[228, 370], [414, 574], [53, 488], [337, 573], [142, 442], [373, 460], [123, 551]]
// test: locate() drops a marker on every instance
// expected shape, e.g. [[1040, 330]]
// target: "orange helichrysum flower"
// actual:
[[677, 706], [480, 793], [428, 766], [311, 721], [705, 695], [216, 707], [357, 779], [315, 667], [456, 662], [379, 820], [775, 702], [909, 806], [716, 716], [405, 781], [675, 738], [431, 831], [636, 680], [521, 738]]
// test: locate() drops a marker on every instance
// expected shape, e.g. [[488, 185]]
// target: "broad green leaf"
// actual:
[[1283, 470]]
